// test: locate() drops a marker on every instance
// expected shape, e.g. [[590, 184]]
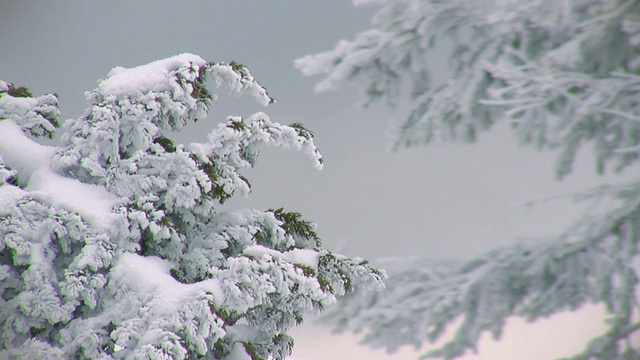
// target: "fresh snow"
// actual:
[[306, 257], [21, 153], [238, 353], [145, 78], [151, 275], [11, 106], [9, 195], [31, 161]]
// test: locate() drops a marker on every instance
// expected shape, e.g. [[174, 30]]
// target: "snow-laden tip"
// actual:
[[306, 257], [145, 78]]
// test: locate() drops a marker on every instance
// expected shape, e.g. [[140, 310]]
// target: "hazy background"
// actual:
[[438, 201]]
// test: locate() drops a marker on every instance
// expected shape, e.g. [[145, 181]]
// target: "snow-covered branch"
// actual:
[[565, 75], [594, 262], [114, 245]]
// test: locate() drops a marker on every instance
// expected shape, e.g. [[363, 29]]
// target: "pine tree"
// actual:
[[564, 74], [116, 245]]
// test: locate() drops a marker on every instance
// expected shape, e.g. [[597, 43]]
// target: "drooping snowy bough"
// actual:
[[564, 75], [114, 245]]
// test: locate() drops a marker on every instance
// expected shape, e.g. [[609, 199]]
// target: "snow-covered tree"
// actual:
[[115, 244], [564, 74]]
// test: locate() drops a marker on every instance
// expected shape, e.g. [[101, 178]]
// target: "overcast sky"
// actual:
[[438, 201]]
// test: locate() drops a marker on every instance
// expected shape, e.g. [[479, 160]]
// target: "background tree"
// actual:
[[115, 245], [563, 74]]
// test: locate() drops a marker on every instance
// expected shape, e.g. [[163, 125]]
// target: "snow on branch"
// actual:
[[114, 245], [593, 262], [37, 115], [563, 72], [565, 75]]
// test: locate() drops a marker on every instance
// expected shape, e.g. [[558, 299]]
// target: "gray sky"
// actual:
[[438, 201]]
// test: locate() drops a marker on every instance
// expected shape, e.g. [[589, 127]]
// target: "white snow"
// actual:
[[306, 257], [151, 275], [32, 162], [238, 353], [9, 195], [39, 257], [21, 153], [145, 78], [92, 202], [243, 332], [258, 251], [11, 105]]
